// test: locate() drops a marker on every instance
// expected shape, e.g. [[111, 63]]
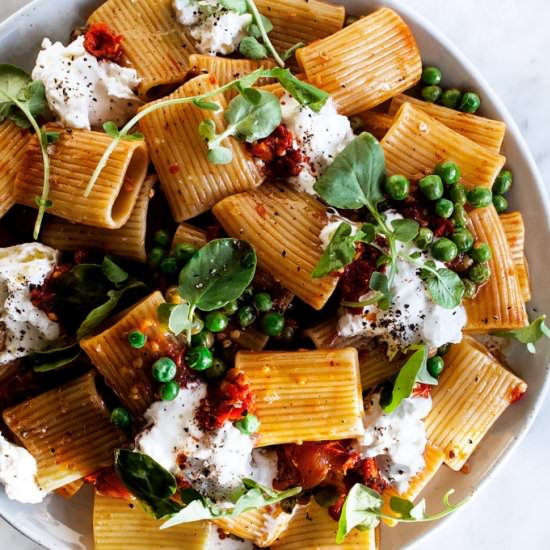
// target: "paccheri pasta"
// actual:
[[280, 344]]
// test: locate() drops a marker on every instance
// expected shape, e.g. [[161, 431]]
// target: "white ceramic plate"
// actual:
[[58, 524]]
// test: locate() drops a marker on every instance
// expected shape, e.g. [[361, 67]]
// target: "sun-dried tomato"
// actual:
[[108, 484], [103, 43]]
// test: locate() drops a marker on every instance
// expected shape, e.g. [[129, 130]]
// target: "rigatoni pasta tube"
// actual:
[[486, 132], [68, 430], [312, 528], [283, 226], [153, 42], [126, 242], [499, 304], [125, 368], [304, 21], [514, 228], [473, 391], [13, 141], [121, 524], [73, 159], [364, 64], [417, 142], [189, 234], [376, 123], [304, 395], [375, 367], [191, 183]]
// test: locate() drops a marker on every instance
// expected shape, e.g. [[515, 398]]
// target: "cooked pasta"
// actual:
[[473, 392], [376, 123], [364, 64], [375, 367], [154, 44], [499, 304], [126, 242], [186, 233], [67, 430], [190, 182], [484, 131], [417, 142], [320, 389], [73, 159], [284, 227]]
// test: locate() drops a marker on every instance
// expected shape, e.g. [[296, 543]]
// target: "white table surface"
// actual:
[[509, 41]]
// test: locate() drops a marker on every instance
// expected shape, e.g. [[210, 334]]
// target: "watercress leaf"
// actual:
[[361, 509], [161, 508], [53, 359], [206, 105], [339, 252], [259, 497], [368, 233], [220, 155], [407, 377], [379, 281], [111, 129], [177, 317], [401, 506], [113, 272], [529, 335], [382, 260], [303, 92], [13, 81], [405, 230], [52, 137], [252, 95], [251, 48], [34, 98], [247, 81], [217, 274], [238, 6], [445, 288], [355, 177], [197, 510], [292, 50], [252, 122], [207, 129], [253, 484], [136, 136]]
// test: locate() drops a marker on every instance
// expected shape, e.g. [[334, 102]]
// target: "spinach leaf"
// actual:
[[303, 92], [444, 286], [339, 252], [529, 335], [113, 272], [407, 377], [53, 359], [355, 177]]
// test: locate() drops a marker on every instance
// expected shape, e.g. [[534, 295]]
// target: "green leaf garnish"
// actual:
[[444, 286], [252, 49], [292, 50], [176, 316], [405, 230], [339, 252], [113, 272], [528, 335], [54, 359]]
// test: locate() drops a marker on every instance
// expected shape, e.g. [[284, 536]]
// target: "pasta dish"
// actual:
[[258, 275]]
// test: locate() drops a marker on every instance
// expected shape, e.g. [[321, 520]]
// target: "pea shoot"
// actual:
[[164, 369], [137, 339]]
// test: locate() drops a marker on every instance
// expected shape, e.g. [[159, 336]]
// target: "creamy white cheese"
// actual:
[[216, 29], [23, 327], [216, 542], [319, 136], [81, 91], [214, 462], [412, 316], [397, 440], [18, 473]]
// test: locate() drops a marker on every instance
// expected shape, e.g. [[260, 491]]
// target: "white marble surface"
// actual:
[[509, 41]]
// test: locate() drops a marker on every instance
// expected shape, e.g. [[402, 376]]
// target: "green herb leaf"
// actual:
[[177, 317], [445, 287], [113, 272], [52, 137], [238, 6], [54, 359], [405, 230], [303, 92], [252, 49], [111, 129], [292, 50], [262, 27], [407, 377], [207, 129], [367, 234], [361, 509], [206, 105], [528, 335], [248, 425], [254, 30], [339, 252], [220, 155], [355, 177]]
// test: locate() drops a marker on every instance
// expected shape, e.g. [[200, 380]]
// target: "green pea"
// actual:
[[449, 172], [121, 418], [431, 76], [183, 252], [503, 183], [424, 238], [470, 288], [500, 203], [161, 238], [451, 98], [463, 239], [231, 308], [431, 187], [397, 187], [457, 193], [248, 425], [217, 370], [137, 339], [481, 253], [480, 197], [169, 265], [156, 255], [164, 369], [443, 350], [216, 322], [273, 323], [460, 217], [436, 364], [203, 339], [444, 208], [247, 316], [479, 273], [469, 103], [169, 391], [431, 93], [199, 358], [263, 302], [444, 250]]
